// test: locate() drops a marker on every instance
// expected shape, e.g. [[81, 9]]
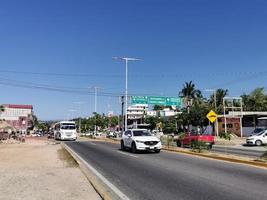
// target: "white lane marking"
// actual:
[[92, 143], [127, 154], [100, 176]]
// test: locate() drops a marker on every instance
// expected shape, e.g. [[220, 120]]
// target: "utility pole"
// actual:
[[79, 108], [95, 89], [122, 113]]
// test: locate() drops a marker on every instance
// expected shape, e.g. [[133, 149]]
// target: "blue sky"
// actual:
[[216, 44]]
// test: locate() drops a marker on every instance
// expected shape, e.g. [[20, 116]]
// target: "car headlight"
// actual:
[[139, 141]]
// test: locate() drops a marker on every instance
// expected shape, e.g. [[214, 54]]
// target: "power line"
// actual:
[[161, 75]]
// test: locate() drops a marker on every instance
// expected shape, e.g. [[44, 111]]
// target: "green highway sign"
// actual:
[[139, 100], [157, 100], [164, 101], [171, 101]]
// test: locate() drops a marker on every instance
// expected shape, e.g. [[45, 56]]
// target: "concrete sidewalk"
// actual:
[[39, 169]]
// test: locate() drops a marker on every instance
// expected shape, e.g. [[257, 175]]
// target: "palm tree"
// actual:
[[189, 93], [220, 94]]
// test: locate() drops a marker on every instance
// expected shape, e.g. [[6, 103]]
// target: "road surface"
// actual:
[[170, 176]]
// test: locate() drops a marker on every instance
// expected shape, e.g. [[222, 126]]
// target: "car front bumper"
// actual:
[[142, 146]]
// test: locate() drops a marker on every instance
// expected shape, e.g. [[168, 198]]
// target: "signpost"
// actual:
[[164, 101]]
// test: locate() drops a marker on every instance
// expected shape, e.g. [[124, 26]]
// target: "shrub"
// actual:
[[226, 136]]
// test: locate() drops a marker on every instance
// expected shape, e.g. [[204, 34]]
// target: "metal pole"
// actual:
[[95, 106], [241, 124], [225, 123], [126, 92], [215, 105]]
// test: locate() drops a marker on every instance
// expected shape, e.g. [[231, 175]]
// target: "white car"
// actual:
[[140, 139], [258, 139]]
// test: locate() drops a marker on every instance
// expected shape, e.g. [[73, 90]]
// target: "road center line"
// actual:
[[127, 154]]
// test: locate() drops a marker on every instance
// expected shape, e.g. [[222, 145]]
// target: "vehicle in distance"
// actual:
[[191, 137], [258, 139], [140, 139], [65, 130]]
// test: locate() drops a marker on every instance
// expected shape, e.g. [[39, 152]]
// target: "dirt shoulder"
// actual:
[[41, 169]]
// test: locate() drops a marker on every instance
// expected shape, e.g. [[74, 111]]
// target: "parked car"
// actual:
[[140, 139], [195, 137], [258, 139], [111, 134]]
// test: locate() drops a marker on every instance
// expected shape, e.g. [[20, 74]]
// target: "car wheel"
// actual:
[[157, 150], [258, 143], [134, 150], [122, 145], [178, 143]]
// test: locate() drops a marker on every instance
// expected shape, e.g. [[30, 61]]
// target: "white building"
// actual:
[[136, 111]]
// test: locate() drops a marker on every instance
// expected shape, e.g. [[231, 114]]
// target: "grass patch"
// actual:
[[65, 156]]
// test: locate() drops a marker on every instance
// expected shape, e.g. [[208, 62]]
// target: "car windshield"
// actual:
[[141, 133], [258, 130], [260, 133], [67, 126]]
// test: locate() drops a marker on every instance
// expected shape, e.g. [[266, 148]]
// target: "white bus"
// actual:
[[65, 130]]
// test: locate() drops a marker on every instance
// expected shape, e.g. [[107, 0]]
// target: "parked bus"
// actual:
[[65, 130]]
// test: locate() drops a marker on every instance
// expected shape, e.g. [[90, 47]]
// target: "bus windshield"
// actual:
[[67, 126]]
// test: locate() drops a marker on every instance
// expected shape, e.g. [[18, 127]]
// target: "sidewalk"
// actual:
[[39, 169]]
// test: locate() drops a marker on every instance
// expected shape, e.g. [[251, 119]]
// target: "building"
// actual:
[[136, 113], [18, 116]]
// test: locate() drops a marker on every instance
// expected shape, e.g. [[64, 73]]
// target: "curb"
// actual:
[[105, 189]]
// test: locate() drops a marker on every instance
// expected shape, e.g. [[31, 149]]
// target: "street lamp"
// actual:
[[215, 107], [126, 59]]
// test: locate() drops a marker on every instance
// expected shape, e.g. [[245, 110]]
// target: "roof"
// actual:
[[18, 106]]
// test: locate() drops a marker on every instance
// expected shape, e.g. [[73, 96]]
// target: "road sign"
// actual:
[[157, 100], [171, 101], [212, 116], [139, 100], [164, 101]]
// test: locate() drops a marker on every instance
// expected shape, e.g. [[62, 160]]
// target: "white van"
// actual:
[[65, 130], [258, 139]]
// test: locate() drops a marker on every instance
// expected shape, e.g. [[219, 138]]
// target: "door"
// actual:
[[128, 138], [264, 138]]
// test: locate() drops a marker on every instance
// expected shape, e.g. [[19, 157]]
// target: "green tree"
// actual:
[[255, 101], [220, 94]]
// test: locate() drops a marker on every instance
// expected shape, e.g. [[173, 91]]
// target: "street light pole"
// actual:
[[126, 59], [95, 89]]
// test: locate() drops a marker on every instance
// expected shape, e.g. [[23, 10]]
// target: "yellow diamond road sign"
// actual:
[[212, 116]]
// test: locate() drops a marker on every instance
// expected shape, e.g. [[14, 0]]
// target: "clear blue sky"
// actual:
[[217, 44]]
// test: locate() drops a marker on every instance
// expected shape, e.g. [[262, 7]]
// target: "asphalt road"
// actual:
[[164, 176], [237, 151]]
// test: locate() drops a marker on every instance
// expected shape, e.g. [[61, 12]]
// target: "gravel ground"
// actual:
[[39, 169]]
